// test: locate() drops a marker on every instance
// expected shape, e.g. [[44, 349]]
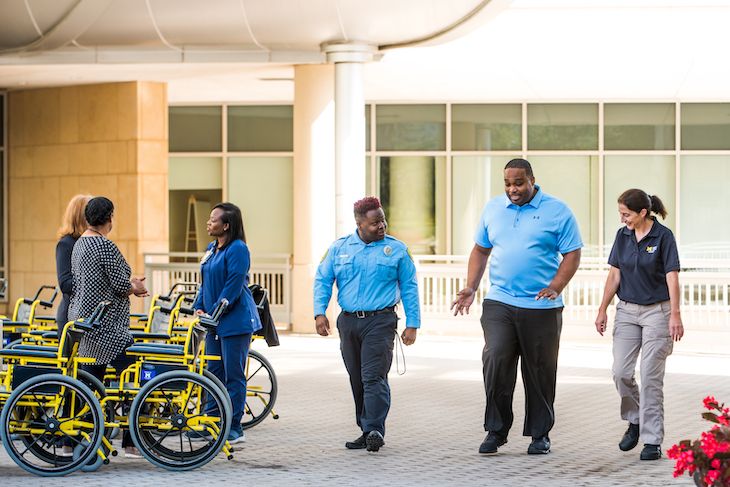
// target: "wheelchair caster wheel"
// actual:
[[94, 464], [276, 416], [230, 457], [115, 453]]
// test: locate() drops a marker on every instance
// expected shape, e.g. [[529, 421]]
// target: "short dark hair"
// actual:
[[99, 211], [637, 200], [520, 164], [232, 216], [368, 203]]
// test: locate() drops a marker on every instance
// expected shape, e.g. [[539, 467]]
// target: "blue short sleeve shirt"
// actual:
[[526, 243]]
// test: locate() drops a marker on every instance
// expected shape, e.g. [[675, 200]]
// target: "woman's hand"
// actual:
[[601, 321], [676, 329], [138, 287]]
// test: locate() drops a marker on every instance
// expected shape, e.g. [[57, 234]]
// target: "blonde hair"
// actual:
[[74, 221]]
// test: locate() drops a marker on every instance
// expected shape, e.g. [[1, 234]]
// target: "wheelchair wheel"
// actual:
[[169, 425], [42, 415], [261, 390]]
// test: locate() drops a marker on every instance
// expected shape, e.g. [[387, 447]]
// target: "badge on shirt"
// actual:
[[651, 250], [387, 250], [206, 256]]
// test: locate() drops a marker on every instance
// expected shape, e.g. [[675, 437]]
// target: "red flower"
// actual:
[[709, 455], [710, 403]]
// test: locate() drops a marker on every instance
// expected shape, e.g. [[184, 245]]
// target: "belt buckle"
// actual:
[[360, 314]]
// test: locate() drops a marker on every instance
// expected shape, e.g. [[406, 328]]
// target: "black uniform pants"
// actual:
[[367, 350], [532, 335]]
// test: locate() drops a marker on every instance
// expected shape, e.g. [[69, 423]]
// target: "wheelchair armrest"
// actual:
[[15, 323]]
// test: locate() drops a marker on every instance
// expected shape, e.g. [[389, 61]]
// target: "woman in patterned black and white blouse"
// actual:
[[100, 273]]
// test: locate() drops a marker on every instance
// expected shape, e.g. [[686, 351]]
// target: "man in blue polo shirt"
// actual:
[[373, 271], [525, 232]]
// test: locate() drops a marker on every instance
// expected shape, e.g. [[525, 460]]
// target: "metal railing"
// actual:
[[705, 285], [705, 289], [271, 271]]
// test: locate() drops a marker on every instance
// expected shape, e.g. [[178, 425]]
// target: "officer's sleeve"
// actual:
[[408, 285], [238, 262], [323, 281], [569, 237]]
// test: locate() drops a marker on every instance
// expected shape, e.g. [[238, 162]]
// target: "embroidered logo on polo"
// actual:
[[387, 250], [650, 249]]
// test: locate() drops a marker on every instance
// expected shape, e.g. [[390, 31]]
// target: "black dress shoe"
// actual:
[[651, 452], [491, 443], [630, 439], [374, 440], [358, 444], [539, 446]]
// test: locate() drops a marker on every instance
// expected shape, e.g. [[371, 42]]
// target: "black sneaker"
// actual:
[[357, 444], [651, 452], [491, 442], [539, 446], [374, 440], [630, 439]]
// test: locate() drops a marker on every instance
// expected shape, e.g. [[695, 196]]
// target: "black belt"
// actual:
[[365, 314]]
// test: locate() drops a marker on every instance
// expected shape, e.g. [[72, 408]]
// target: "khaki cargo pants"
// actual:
[[642, 328]]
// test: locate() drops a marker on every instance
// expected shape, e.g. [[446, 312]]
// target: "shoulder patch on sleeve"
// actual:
[[408, 251], [324, 256]]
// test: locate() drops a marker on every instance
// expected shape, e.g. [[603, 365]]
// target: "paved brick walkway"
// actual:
[[435, 425]]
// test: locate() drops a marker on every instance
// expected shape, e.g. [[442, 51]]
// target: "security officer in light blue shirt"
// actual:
[[524, 233], [373, 271]]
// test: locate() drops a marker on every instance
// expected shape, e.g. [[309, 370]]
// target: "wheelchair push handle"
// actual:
[[168, 297], [94, 318], [211, 321], [48, 303]]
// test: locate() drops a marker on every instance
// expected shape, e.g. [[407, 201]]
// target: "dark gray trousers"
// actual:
[[532, 335], [367, 350]]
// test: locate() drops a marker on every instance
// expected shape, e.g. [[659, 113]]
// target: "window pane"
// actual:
[[260, 128], [704, 211], [262, 188], [653, 174], [705, 126], [195, 129], [194, 173], [574, 180], [413, 191], [475, 180], [562, 127], [486, 127], [411, 127], [189, 211], [639, 126]]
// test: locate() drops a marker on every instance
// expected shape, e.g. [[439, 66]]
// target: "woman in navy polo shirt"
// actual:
[[224, 271], [644, 273]]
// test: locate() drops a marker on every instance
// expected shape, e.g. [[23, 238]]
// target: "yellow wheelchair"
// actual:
[[166, 398]]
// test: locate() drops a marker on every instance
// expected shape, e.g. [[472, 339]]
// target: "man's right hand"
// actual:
[[463, 301], [322, 324]]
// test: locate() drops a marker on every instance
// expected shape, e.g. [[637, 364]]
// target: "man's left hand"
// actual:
[[409, 336], [547, 293]]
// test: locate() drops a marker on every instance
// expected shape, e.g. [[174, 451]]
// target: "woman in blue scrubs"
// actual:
[[224, 272]]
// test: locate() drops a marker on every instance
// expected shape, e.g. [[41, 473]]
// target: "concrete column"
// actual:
[[314, 184], [349, 127]]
